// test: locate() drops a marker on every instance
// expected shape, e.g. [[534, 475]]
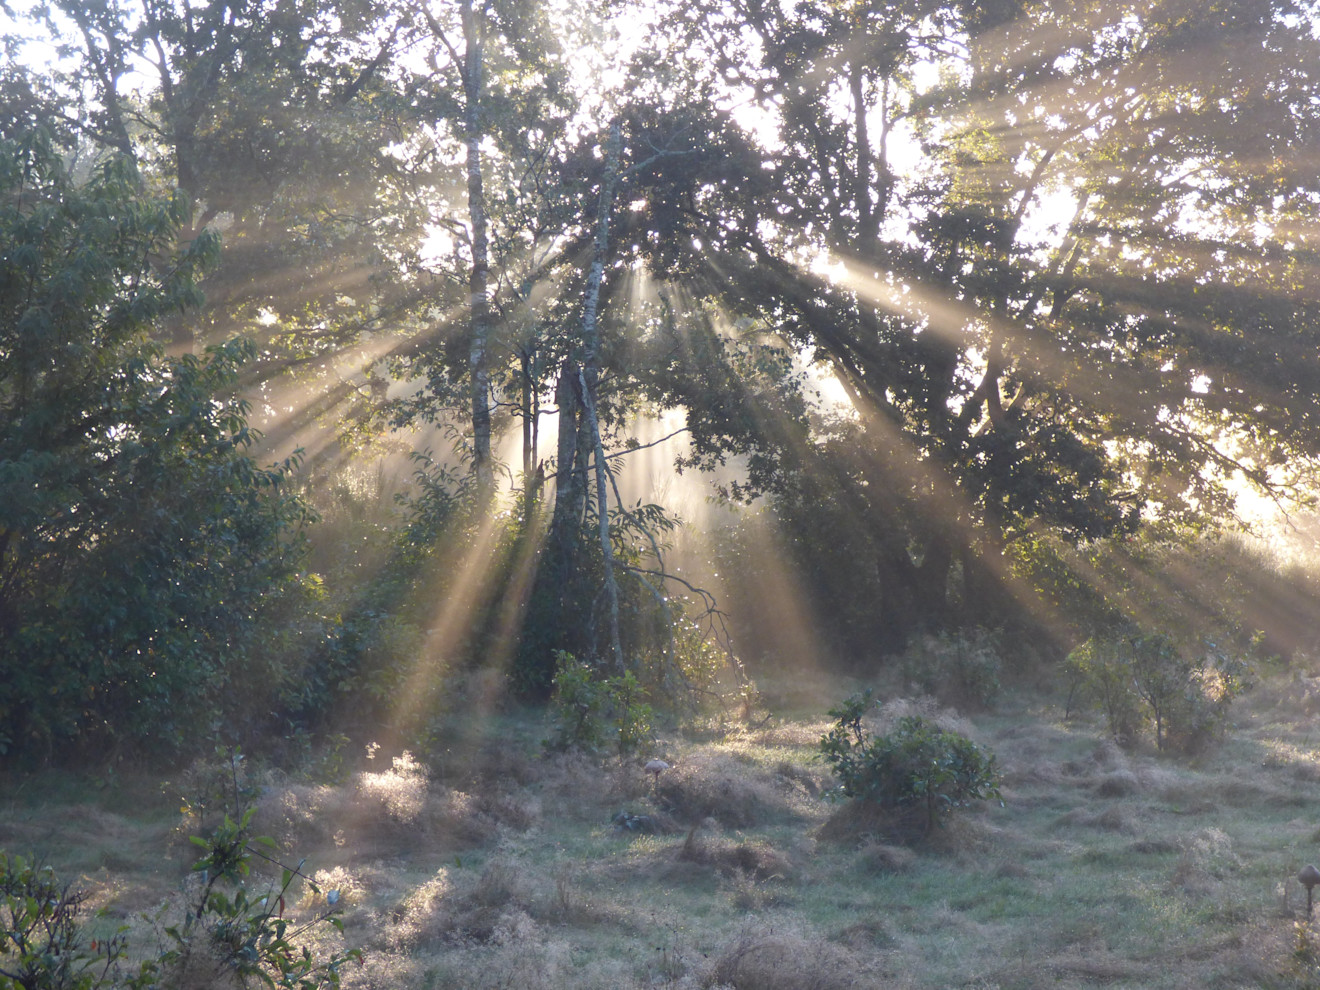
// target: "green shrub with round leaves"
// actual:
[[917, 766]]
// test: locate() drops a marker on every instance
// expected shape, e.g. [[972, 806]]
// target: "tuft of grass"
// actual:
[[764, 959], [715, 786]]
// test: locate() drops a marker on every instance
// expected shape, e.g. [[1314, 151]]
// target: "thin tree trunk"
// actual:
[[862, 177], [530, 414], [569, 493], [478, 293], [590, 379], [602, 506], [932, 582]]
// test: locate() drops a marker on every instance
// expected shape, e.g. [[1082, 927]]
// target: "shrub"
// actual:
[[225, 938], [228, 931], [916, 766], [40, 944], [590, 711], [1146, 680], [150, 566], [214, 785], [1100, 671]]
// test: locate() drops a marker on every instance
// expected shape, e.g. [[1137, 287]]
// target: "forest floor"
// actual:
[[503, 868]]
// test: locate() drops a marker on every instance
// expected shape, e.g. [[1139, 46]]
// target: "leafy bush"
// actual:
[[1099, 672], [916, 766], [225, 938], [228, 931], [215, 785], [40, 945], [1140, 681], [150, 567], [961, 669], [590, 711]]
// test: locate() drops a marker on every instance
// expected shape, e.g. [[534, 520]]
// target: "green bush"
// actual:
[[917, 766], [590, 711], [229, 931], [1099, 673], [151, 587], [40, 945], [1139, 681]]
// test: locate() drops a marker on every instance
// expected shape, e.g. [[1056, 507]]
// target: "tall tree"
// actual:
[[469, 66], [140, 544], [492, 86], [1007, 375], [274, 117]]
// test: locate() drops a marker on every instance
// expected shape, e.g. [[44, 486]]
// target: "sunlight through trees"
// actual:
[[1054, 265]]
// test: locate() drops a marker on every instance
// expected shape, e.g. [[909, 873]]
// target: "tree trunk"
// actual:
[[478, 293], [529, 407], [590, 380], [570, 478], [933, 582], [867, 228]]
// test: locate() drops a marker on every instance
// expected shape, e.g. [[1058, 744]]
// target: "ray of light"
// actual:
[[943, 504], [293, 414], [1123, 398], [510, 614], [461, 578], [788, 627]]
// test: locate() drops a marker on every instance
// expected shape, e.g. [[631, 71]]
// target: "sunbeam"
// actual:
[[874, 312], [460, 580]]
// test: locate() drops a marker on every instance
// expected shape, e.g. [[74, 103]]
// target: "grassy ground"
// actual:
[[503, 869]]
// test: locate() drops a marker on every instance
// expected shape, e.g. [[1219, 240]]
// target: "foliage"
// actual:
[[228, 931], [212, 785], [960, 669], [225, 938], [148, 566], [917, 765], [379, 557], [579, 706], [632, 716], [1009, 372], [590, 711], [697, 662], [41, 947], [1053, 326], [1138, 680], [564, 608], [1098, 670], [273, 119]]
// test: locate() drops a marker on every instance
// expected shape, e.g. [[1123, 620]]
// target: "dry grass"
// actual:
[[764, 959], [718, 786], [1115, 868]]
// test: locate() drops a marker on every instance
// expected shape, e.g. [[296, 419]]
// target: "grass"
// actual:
[[1106, 867]]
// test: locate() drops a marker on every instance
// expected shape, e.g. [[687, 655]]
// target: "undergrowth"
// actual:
[[218, 934], [1122, 867]]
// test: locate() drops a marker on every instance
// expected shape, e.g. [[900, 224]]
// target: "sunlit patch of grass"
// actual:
[[400, 789]]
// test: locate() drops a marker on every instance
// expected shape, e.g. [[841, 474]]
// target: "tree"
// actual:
[[275, 118], [140, 545], [1007, 376]]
